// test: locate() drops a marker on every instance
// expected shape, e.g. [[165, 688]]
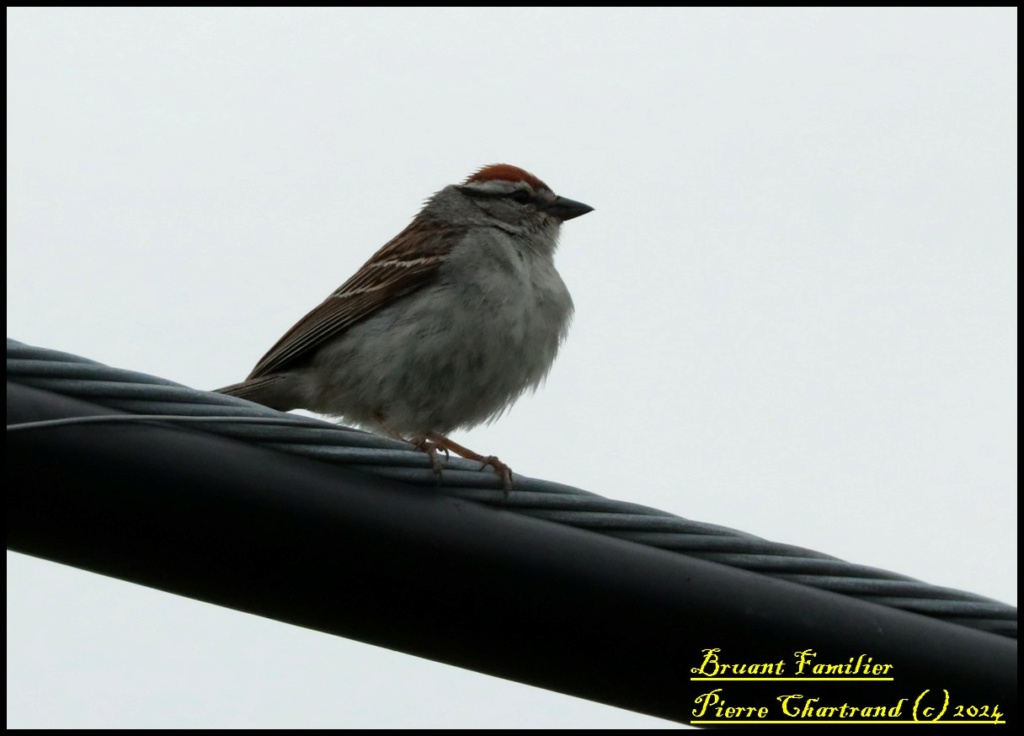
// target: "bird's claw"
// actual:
[[431, 448], [503, 470]]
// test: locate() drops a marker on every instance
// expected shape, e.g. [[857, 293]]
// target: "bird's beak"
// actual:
[[566, 209]]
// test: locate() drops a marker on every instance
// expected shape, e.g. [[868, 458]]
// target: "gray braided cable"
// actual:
[[138, 393]]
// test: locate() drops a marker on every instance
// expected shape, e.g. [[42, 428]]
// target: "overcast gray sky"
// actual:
[[796, 296]]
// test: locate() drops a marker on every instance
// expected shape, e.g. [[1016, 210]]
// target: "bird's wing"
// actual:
[[404, 264]]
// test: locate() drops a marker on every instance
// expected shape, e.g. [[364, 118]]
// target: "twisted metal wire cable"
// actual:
[[158, 399]]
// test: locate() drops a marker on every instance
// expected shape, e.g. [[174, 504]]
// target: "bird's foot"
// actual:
[[423, 444], [431, 448], [502, 469]]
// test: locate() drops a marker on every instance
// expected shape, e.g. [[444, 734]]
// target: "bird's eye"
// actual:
[[521, 197]]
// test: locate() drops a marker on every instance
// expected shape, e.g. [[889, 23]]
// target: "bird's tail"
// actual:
[[266, 390]]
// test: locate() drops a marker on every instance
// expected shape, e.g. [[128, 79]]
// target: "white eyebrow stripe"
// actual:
[[497, 186]]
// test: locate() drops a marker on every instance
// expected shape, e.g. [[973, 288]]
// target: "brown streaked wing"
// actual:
[[404, 264]]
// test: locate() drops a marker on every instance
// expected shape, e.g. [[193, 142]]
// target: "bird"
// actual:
[[443, 328]]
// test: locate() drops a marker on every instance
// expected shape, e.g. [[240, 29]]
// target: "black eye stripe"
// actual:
[[520, 195]]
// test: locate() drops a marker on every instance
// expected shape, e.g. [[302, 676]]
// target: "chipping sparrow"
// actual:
[[444, 327]]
